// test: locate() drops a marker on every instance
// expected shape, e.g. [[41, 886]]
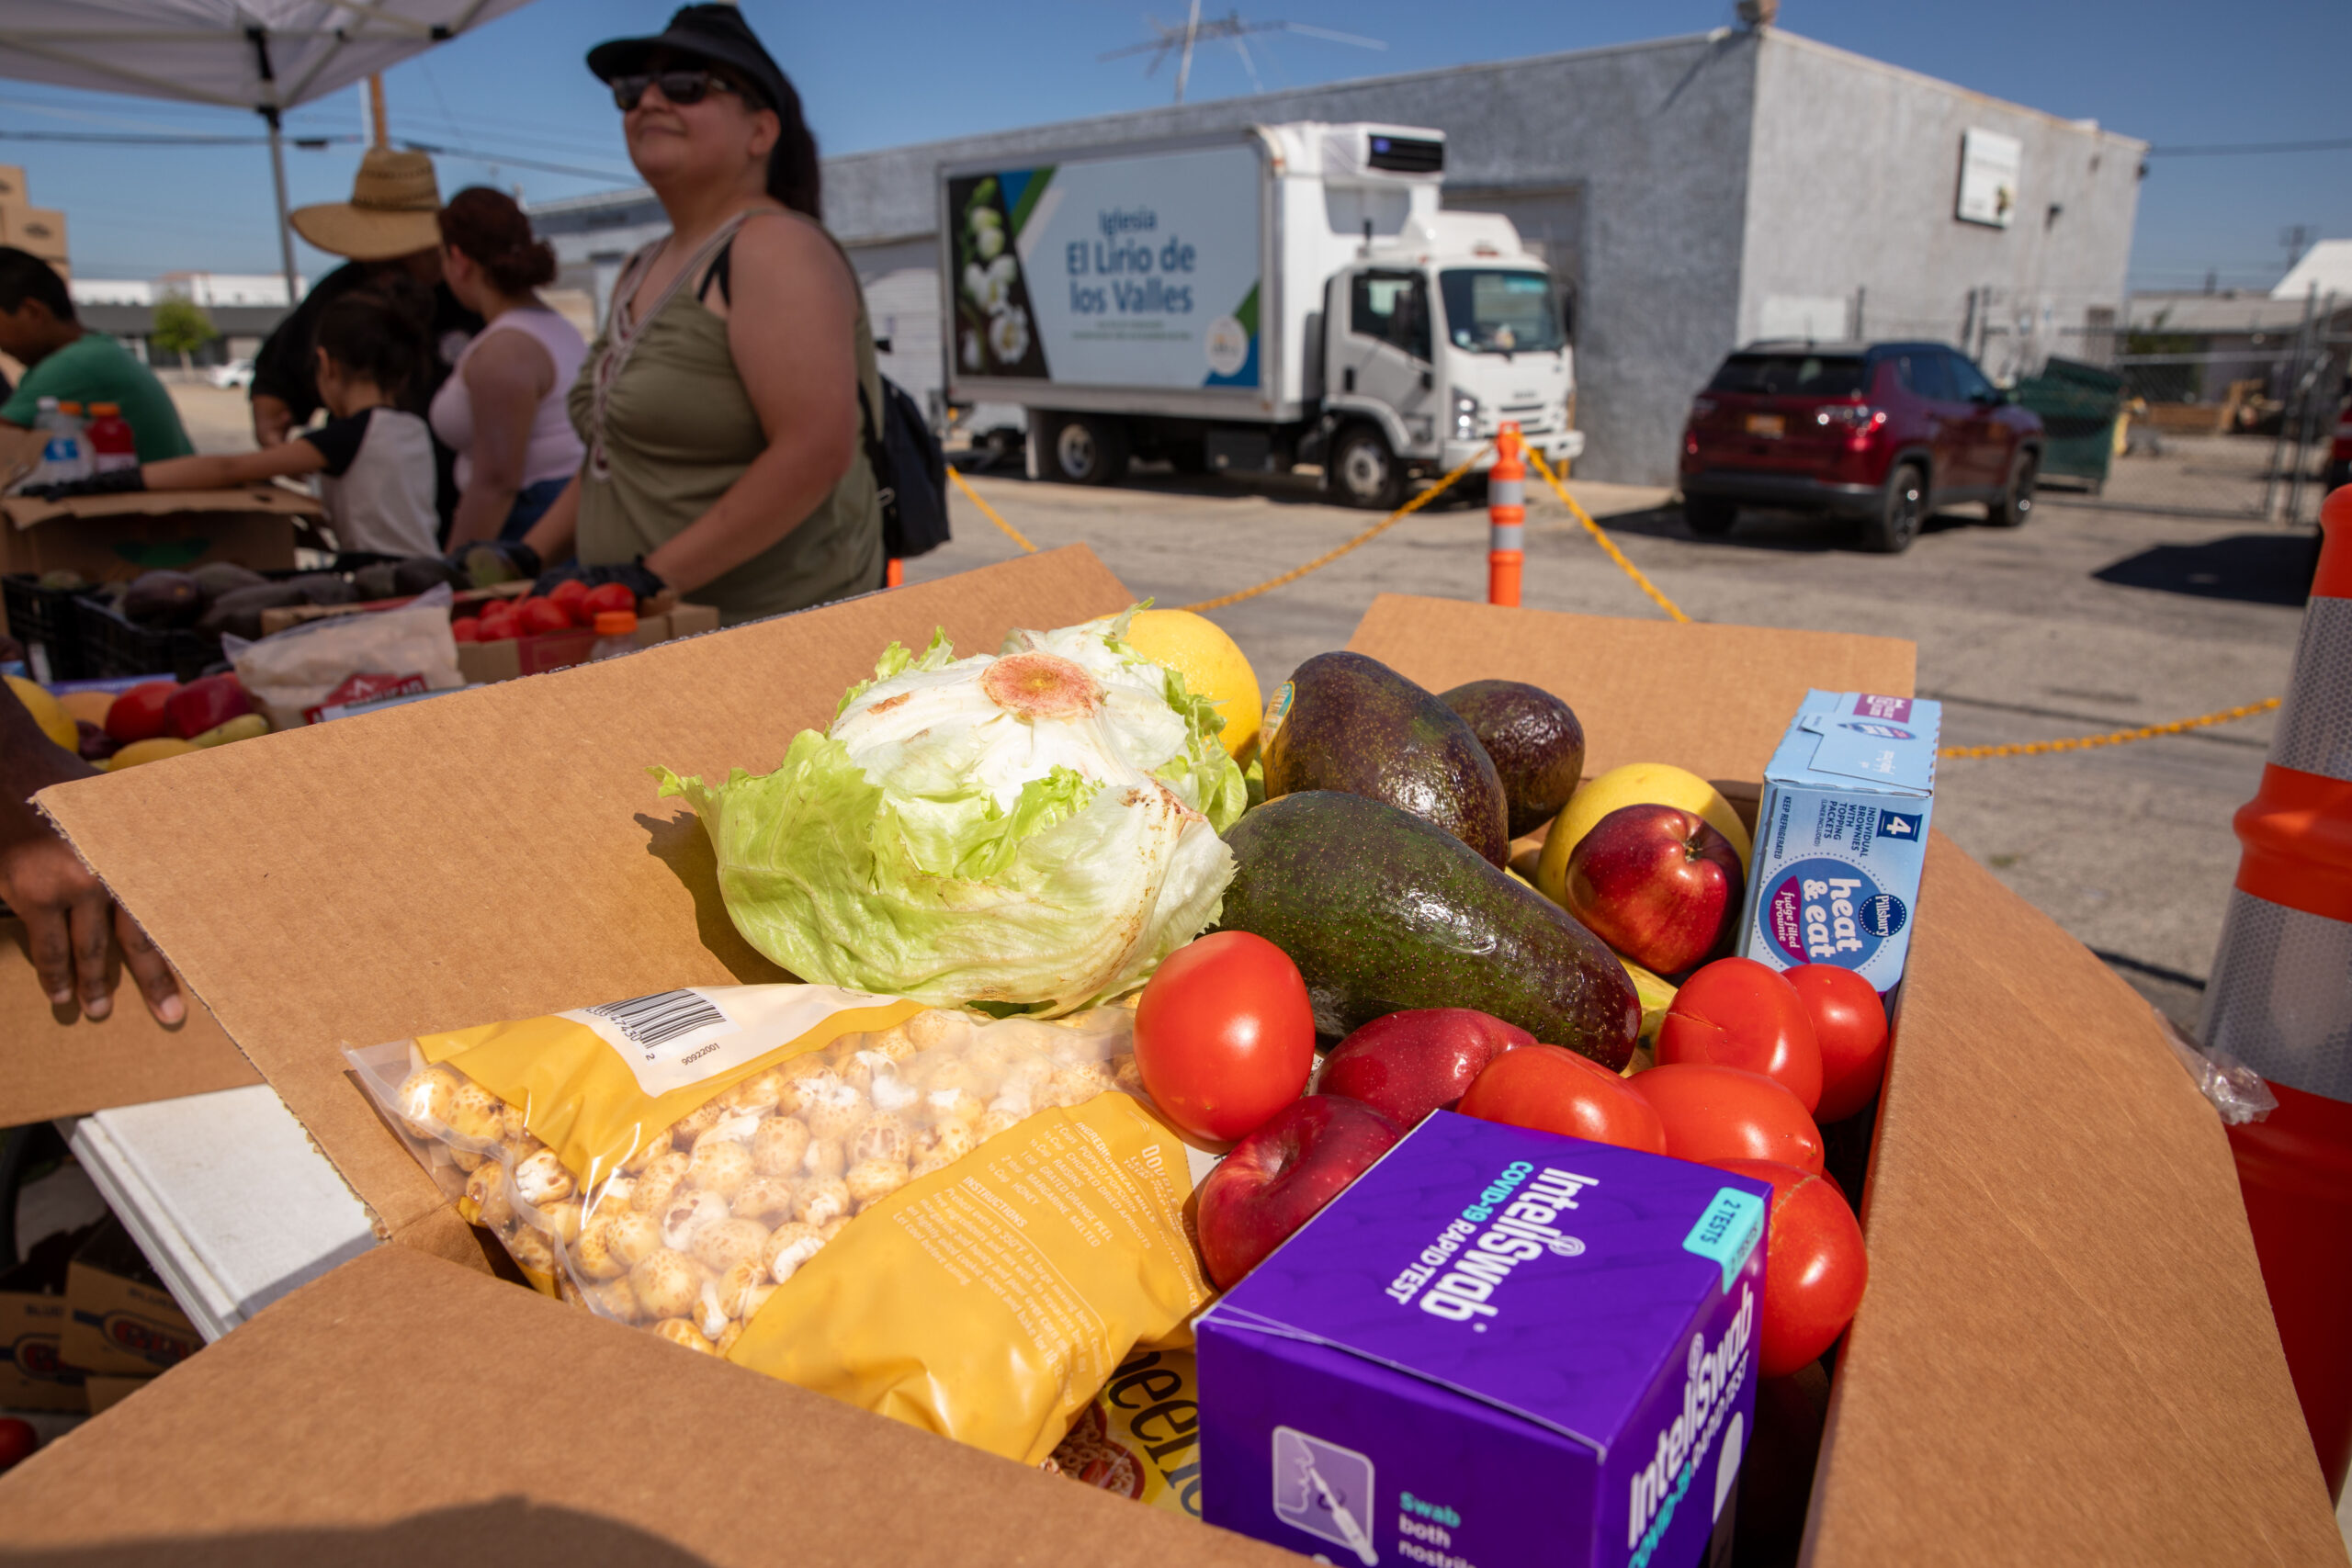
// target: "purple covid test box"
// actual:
[[1497, 1349]]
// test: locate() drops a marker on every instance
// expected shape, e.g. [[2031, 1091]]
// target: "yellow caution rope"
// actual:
[[989, 512], [1327, 556], [2113, 738], [1604, 540]]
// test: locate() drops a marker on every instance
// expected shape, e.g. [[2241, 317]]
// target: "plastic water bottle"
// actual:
[[616, 635], [109, 439], [67, 451]]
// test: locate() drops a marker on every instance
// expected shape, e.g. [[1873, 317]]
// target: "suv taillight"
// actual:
[[1853, 418]]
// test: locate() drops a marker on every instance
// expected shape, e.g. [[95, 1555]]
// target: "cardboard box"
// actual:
[[55, 1062], [121, 1320], [1841, 835], [106, 537], [514, 657], [14, 192], [32, 1324], [2066, 1353], [402, 1410], [39, 231], [1497, 1346]]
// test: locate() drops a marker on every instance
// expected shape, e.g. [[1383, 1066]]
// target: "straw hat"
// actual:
[[394, 198]]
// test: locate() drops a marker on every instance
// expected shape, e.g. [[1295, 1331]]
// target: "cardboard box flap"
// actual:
[[55, 1062], [27, 511], [495, 853], [1713, 699], [402, 1410], [2066, 1354]]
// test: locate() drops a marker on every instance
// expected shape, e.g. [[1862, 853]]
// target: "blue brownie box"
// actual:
[[1497, 1347]]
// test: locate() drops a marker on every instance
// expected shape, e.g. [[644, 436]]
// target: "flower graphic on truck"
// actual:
[[995, 335]]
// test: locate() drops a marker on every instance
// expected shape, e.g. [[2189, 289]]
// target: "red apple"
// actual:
[[1657, 885], [1280, 1177], [1406, 1065]]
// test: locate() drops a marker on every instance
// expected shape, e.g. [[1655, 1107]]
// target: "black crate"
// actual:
[[47, 616], [112, 646]]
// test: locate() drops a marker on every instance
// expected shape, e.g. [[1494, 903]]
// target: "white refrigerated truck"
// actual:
[[1248, 301]]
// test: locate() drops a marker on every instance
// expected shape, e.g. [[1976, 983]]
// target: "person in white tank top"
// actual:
[[503, 409]]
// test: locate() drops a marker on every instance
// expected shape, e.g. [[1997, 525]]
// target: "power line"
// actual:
[[499, 158], [132, 139], [2221, 149]]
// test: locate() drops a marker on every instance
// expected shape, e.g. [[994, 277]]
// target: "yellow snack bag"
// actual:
[[1140, 1438], [990, 1301]]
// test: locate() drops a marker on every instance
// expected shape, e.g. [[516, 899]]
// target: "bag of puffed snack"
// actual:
[[684, 1161], [1140, 1438]]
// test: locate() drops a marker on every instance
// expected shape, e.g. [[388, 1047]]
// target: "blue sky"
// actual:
[[894, 70]]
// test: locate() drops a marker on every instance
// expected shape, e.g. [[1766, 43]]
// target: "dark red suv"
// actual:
[[1882, 433]]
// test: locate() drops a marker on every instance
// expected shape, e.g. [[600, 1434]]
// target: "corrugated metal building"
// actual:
[[1693, 194]]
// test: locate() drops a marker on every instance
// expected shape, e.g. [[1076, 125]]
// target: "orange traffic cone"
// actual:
[[2281, 1000], [1506, 517]]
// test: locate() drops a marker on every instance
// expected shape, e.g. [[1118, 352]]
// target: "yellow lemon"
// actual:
[[1636, 783], [54, 721], [1197, 648]]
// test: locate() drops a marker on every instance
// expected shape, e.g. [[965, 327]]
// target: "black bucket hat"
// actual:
[[716, 33]]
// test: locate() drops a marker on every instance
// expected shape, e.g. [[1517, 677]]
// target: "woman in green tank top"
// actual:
[[719, 405]]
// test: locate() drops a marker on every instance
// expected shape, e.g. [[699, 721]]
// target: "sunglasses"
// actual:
[[681, 88]]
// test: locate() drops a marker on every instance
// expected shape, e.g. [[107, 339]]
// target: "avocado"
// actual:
[[422, 574], [1345, 722], [1382, 912], [1534, 739], [373, 583], [238, 612], [220, 577], [323, 588], [163, 599]]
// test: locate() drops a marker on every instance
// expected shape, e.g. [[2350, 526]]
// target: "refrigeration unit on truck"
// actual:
[[1248, 301]]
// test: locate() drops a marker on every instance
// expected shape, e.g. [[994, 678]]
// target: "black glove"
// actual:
[[489, 562], [635, 575], [114, 481]]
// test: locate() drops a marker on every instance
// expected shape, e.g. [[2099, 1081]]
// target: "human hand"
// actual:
[[71, 922]]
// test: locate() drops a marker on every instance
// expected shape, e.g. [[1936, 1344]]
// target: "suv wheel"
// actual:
[[1900, 512], [1088, 451], [1364, 472], [1708, 515], [2014, 504]]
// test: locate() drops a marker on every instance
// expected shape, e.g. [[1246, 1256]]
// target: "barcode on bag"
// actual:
[[657, 1019]]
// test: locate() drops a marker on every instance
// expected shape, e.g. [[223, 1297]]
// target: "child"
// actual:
[[375, 462]]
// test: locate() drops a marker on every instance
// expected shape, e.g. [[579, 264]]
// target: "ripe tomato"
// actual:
[[18, 1441], [1815, 1269], [498, 623], [535, 616], [1712, 1114], [1849, 1022], [1738, 1013], [1224, 1034], [569, 594], [141, 713], [1555, 1090], [603, 597], [466, 630]]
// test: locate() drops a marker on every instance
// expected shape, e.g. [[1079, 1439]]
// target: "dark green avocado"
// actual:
[[1345, 722], [1534, 741], [1382, 912]]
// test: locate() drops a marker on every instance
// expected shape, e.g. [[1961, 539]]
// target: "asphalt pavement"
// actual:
[[2085, 620]]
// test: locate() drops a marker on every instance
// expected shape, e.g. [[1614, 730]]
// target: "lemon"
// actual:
[[155, 750], [1197, 648], [1636, 783], [54, 721]]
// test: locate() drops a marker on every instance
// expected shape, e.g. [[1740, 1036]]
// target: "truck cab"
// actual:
[[1432, 338]]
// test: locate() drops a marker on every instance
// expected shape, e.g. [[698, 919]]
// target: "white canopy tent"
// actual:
[[267, 56]]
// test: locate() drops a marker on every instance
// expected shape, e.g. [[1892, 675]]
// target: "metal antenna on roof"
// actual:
[[1180, 41]]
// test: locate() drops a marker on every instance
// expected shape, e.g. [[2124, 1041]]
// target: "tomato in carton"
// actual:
[[541, 615], [498, 623], [205, 705], [143, 712], [569, 594], [466, 630], [606, 596]]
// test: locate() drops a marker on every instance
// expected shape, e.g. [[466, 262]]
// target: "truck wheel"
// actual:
[[1709, 517], [1364, 472], [1900, 512], [1087, 450], [2014, 504]]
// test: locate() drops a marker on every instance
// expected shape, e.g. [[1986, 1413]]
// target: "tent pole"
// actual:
[[285, 228]]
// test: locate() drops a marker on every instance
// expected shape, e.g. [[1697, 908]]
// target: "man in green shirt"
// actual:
[[64, 362]]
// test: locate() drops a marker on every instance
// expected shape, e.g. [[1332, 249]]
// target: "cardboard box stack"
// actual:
[[2066, 1354], [38, 229]]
